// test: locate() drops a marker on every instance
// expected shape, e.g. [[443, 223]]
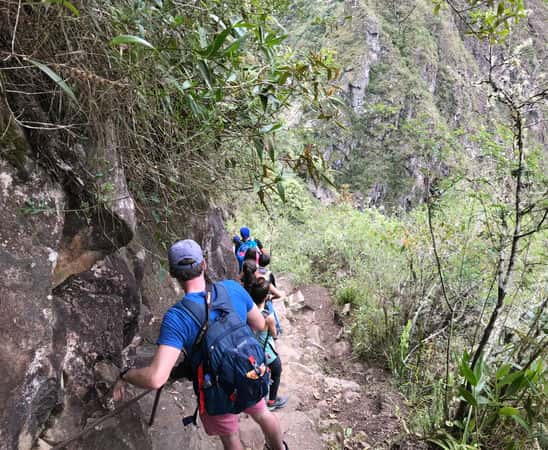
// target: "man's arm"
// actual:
[[255, 319], [260, 246], [153, 376]]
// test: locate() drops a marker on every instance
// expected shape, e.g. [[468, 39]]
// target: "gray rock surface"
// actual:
[[96, 313], [67, 312], [28, 244], [356, 78], [112, 185]]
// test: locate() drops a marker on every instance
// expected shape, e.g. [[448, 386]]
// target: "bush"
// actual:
[[386, 269]]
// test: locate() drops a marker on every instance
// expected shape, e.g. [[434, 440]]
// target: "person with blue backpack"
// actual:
[[243, 243], [212, 327]]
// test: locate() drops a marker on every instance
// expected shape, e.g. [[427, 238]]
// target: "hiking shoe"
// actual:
[[280, 402], [266, 447]]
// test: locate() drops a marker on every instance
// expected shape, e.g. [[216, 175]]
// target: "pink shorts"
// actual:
[[228, 423]]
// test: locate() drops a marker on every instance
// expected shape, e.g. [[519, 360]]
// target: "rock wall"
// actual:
[[28, 254], [355, 78], [79, 285]]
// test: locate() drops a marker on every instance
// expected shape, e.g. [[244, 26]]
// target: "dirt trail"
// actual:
[[335, 402]]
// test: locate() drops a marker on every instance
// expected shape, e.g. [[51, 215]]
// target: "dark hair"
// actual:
[[248, 273], [183, 275], [258, 290], [264, 260], [252, 254]]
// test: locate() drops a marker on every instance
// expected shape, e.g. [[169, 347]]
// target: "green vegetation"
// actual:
[[14, 146], [451, 296], [192, 95], [386, 269], [449, 291], [419, 72]]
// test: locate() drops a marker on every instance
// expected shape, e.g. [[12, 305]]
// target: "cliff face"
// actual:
[[413, 83], [27, 258], [78, 286], [82, 260], [60, 306]]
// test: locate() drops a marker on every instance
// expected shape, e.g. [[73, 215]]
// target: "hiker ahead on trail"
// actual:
[[243, 243], [260, 292], [222, 355], [251, 273], [262, 270]]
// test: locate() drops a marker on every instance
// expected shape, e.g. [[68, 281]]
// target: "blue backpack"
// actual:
[[269, 306], [228, 364], [242, 249]]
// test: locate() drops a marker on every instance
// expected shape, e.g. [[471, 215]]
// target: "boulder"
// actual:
[[314, 335], [341, 348], [96, 316], [295, 302], [91, 233]]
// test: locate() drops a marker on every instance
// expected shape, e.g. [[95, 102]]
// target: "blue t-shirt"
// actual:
[[179, 330]]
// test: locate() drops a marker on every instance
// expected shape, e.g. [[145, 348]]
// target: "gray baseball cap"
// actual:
[[184, 255]]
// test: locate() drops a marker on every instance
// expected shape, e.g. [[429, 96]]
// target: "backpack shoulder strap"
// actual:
[[222, 298], [195, 310], [200, 315], [202, 312]]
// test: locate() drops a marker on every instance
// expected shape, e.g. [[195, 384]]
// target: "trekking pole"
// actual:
[[101, 420], [155, 406]]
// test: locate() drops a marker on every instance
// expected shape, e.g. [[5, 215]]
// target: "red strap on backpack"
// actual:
[[201, 396]]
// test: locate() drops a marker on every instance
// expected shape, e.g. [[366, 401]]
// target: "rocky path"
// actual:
[[335, 402]]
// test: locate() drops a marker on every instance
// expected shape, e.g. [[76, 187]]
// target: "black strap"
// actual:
[[197, 342], [197, 314], [266, 341], [267, 329], [203, 328], [191, 419]]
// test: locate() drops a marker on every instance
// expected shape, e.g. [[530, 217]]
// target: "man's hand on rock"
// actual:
[[119, 390]]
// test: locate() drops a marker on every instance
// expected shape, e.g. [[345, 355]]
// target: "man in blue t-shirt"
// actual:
[[178, 333]]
